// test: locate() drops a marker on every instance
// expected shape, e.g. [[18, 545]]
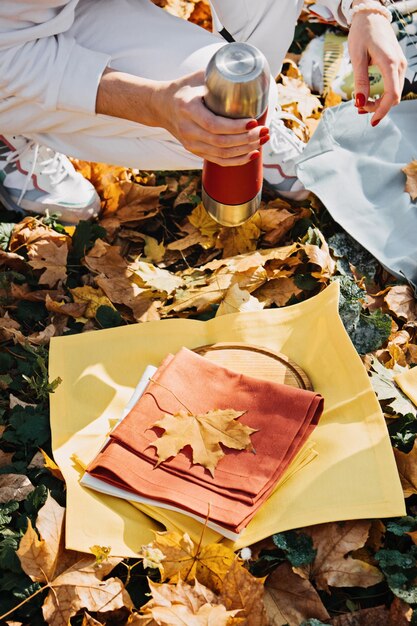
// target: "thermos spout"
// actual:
[[237, 80]]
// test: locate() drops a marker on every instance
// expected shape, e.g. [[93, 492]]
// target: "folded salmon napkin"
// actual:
[[100, 370], [283, 416]]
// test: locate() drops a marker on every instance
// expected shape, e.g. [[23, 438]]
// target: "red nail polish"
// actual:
[[360, 100], [251, 124], [362, 111], [375, 123], [264, 132], [254, 155], [264, 140]]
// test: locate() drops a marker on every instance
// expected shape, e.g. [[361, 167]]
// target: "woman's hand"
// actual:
[[372, 42], [218, 139]]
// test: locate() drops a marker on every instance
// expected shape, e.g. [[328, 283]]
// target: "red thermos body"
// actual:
[[237, 80]]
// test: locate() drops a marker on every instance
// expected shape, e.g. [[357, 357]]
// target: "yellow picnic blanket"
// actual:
[[353, 477]]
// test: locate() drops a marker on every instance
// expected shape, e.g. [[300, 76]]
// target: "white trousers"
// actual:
[[146, 41]]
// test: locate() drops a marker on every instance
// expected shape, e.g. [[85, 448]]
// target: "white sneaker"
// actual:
[[279, 158], [39, 180]]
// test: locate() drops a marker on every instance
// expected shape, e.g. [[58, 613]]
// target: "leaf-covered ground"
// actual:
[[155, 254]]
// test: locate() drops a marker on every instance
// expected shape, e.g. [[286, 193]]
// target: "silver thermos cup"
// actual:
[[237, 81]]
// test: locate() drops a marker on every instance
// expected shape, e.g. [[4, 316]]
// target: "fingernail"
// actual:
[[360, 100], [264, 140], [375, 122], [251, 124], [263, 132], [254, 155], [362, 111]]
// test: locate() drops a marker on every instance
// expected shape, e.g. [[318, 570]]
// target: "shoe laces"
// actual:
[[284, 141], [52, 164]]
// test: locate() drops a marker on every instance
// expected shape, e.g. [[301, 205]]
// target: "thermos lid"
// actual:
[[237, 80]]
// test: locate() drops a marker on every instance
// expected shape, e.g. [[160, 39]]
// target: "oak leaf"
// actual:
[[74, 580], [290, 599], [243, 592], [52, 258], [333, 564], [203, 433], [184, 560], [180, 604], [407, 469], [410, 171]]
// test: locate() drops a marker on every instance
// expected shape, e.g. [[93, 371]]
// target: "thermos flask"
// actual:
[[237, 81]]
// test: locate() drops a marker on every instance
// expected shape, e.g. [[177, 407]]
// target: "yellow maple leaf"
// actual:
[[183, 560], [410, 171], [204, 433], [241, 239], [201, 220], [92, 298]]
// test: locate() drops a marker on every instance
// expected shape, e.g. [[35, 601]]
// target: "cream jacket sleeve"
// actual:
[[40, 62]]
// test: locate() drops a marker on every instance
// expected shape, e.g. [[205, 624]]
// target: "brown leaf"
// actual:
[[131, 202], [333, 566], [30, 231], [290, 599], [407, 469], [322, 258], [277, 291], [402, 303], [74, 309], [51, 258], [122, 291], [400, 613], [13, 261], [10, 329], [75, 581], [410, 171], [148, 275], [107, 260], [90, 621], [204, 433], [6, 459], [377, 616], [243, 592], [14, 487]]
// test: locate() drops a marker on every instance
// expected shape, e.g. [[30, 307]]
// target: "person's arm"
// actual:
[[40, 62], [178, 107], [371, 41]]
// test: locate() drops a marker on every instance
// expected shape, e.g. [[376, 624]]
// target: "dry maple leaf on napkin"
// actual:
[[410, 171], [204, 433]]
